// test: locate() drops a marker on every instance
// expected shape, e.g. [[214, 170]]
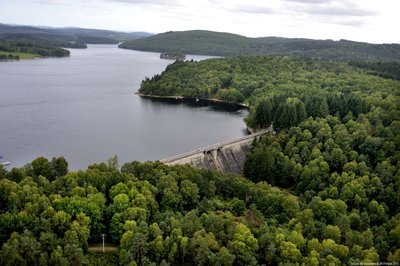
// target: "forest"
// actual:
[[40, 48], [249, 79], [227, 44], [383, 69], [323, 189]]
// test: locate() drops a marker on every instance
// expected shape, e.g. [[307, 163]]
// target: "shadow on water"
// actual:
[[224, 107]]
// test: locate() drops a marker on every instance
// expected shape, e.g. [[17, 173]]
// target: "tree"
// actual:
[[371, 147], [224, 257], [119, 188], [120, 203], [157, 249], [289, 113], [244, 246], [203, 245], [20, 249], [263, 113], [289, 253], [59, 166], [260, 165], [332, 232], [40, 166], [112, 162], [190, 194], [116, 226], [317, 106], [3, 172], [57, 257]]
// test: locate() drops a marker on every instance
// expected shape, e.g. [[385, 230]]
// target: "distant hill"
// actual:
[[226, 44], [80, 35], [18, 42], [192, 42]]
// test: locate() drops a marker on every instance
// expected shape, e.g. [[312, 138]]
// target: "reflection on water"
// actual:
[[228, 108]]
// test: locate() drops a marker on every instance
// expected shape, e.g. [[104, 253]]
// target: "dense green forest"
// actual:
[[275, 87], [96, 40], [323, 193], [337, 149], [383, 69], [323, 190], [226, 44]]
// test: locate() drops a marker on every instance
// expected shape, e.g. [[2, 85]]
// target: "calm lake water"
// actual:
[[84, 108]]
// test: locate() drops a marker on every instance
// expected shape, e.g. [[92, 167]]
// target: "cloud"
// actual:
[[250, 6], [335, 10], [339, 11], [253, 9], [53, 2], [309, 1], [350, 22], [146, 2]]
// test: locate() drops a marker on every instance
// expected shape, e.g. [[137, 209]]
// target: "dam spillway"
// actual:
[[228, 156]]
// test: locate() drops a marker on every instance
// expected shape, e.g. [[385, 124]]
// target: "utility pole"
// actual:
[[103, 236]]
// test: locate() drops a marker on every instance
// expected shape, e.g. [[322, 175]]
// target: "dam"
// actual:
[[228, 156]]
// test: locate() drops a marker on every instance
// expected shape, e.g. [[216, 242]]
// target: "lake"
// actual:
[[84, 108]]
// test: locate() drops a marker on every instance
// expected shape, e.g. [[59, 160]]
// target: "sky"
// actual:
[[374, 21]]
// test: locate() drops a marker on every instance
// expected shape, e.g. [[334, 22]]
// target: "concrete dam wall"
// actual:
[[227, 156]]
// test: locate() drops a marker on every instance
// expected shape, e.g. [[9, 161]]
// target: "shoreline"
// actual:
[[179, 97]]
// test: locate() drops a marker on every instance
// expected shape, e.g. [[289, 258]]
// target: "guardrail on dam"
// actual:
[[226, 156]]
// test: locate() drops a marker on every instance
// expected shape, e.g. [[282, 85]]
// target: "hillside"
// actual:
[[67, 34], [191, 42], [226, 44]]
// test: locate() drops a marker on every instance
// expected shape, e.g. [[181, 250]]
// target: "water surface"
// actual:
[[84, 108]]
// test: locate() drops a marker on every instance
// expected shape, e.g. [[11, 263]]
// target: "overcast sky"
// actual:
[[375, 21]]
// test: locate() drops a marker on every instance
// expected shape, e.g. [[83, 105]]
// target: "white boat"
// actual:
[[3, 163]]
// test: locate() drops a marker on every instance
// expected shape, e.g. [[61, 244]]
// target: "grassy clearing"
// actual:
[[98, 248], [21, 55]]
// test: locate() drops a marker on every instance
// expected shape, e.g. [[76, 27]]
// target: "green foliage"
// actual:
[[263, 114], [382, 69], [16, 56], [22, 46], [324, 190], [96, 40], [280, 91], [337, 179], [179, 215], [226, 44], [45, 168], [289, 113], [103, 259]]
